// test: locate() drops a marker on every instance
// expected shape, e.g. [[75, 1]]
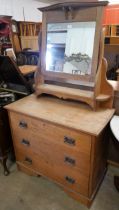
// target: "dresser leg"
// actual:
[[6, 171]]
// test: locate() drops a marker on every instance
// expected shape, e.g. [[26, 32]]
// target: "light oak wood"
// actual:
[[64, 113], [41, 147], [115, 85], [29, 42], [64, 140], [66, 93], [82, 140], [102, 93], [79, 197], [54, 172], [26, 170], [50, 139], [103, 90], [87, 13], [98, 160], [27, 69], [102, 97]]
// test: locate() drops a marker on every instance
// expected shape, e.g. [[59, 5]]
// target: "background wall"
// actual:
[[15, 9]]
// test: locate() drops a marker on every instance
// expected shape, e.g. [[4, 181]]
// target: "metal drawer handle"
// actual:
[[25, 142], [23, 124], [69, 140], [28, 160], [69, 160], [69, 180]]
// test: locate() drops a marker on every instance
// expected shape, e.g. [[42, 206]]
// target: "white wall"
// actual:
[[14, 8]]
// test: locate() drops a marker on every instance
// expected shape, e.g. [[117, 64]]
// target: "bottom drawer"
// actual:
[[62, 175]]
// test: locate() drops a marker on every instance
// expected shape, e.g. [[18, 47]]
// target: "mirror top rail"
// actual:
[[76, 5]]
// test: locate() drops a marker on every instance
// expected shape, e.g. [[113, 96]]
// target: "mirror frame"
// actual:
[[72, 12]]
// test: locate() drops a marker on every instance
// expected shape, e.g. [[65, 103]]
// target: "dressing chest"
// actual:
[[66, 140]]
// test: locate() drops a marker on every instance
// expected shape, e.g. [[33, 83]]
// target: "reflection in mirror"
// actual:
[[70, 47]]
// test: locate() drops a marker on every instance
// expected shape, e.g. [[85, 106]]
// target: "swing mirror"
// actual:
[[70, 47]]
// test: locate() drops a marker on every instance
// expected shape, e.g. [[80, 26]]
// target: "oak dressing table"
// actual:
[[66, 140]]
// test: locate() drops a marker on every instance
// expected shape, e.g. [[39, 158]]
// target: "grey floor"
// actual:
[[19, 191]]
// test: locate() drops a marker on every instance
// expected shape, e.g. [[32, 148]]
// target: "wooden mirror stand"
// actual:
[[96, 91]]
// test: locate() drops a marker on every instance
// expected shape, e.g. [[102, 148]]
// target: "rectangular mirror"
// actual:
[[70, 47]]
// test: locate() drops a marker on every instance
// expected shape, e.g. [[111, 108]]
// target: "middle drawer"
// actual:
[[53, 151]]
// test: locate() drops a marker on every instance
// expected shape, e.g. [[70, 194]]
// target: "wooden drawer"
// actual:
[[62, 175], [55, 155], [24, 125], [55, 150]]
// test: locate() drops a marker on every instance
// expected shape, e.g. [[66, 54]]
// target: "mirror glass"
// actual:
[[70, 47]]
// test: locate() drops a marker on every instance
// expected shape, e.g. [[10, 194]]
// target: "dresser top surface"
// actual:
[[69, 114]]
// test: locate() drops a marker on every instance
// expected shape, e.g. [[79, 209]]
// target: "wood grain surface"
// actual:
[[26, 69], [74, 115]]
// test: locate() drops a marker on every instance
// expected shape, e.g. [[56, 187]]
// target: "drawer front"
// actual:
[[56, 150], [62, 136], [53, 152], [62, 175]]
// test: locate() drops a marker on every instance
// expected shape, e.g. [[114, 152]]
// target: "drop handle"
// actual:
[[69, 141], [25, 142], [28, 160], [70, 180], [23, 124], [69, 160]]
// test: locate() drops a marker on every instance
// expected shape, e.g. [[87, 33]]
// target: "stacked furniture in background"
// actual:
[[28, 33]]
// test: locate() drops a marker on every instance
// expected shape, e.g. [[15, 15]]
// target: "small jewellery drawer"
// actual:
[[57, 134], [63, 175]]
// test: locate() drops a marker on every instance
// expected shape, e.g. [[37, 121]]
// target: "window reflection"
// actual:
[[70, 47]]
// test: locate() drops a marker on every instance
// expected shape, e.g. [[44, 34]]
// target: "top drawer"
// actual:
[[67, 137]]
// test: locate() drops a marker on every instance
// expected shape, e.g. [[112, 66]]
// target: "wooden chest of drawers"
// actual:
[[60, 140]]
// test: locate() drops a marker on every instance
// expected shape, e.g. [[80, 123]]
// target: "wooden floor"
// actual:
[[20, 191]]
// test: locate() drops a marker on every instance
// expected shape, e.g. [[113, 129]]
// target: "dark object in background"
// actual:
[[5, 134], [11, 78], [4, 35], [113, 149], [111, 74], [116, 182], [21, 59], [107, 40], [4, 27], [27, 57], [13, 86]]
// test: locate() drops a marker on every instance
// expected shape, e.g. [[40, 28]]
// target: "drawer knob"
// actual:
[[69, 180], [69, 141], [25, 142], [28, 160], [22, 124], [70, 160]]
